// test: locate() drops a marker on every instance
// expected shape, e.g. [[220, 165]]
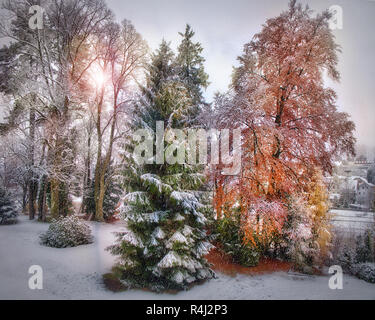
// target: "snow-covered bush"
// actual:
[[272, 229], [365, 247], [356, 254], [294, 227], [364, 271], [297, 244], [67, 232], [351, 249], [8, 212], [346, 256]]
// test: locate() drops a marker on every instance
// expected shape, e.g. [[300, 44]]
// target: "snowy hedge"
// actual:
[[356, 254], [8, 212], [364, 271], [354, 250], [67, 232]]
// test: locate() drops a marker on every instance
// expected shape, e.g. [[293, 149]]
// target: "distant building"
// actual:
[[349, 187], [365, 194], [354, 168]]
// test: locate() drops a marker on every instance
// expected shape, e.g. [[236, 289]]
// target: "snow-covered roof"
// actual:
[[333, 196], [363, 180]]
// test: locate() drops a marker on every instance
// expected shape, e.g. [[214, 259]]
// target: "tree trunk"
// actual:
[[55, 198], [32, 184], [98, 167], [32, 202], [42, 199], [87, 175], [99, 194], [99, 213], [97, 189], [24, 198]]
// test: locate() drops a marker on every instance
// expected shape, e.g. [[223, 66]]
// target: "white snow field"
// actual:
[[352, 221], [75, 273]]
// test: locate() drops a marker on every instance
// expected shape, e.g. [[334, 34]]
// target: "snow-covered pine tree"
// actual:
[[190, 69], [165, 241], [8, 212]]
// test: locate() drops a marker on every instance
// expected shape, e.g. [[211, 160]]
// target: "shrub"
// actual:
[[67, 232], [297, 238], [346, 257], [356, 254], [8, 212], [365, 247], [364, 271], [230, 235], [354, 249]]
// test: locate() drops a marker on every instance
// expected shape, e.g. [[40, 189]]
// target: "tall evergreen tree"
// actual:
[[190, 69], [164, 244]]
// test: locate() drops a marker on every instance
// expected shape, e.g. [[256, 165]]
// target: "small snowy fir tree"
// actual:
[[165, 241], [67, 232], [8, 212]]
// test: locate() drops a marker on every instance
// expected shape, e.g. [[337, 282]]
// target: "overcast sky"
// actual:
[[224, 26]]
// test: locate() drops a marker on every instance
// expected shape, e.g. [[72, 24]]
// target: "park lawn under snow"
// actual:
[[350, 221], [76, 273]]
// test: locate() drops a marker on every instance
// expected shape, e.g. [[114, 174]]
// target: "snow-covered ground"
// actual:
[[76, 273], [352, 221]]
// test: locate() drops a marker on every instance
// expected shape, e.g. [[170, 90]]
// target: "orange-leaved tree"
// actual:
[[290, 123]]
